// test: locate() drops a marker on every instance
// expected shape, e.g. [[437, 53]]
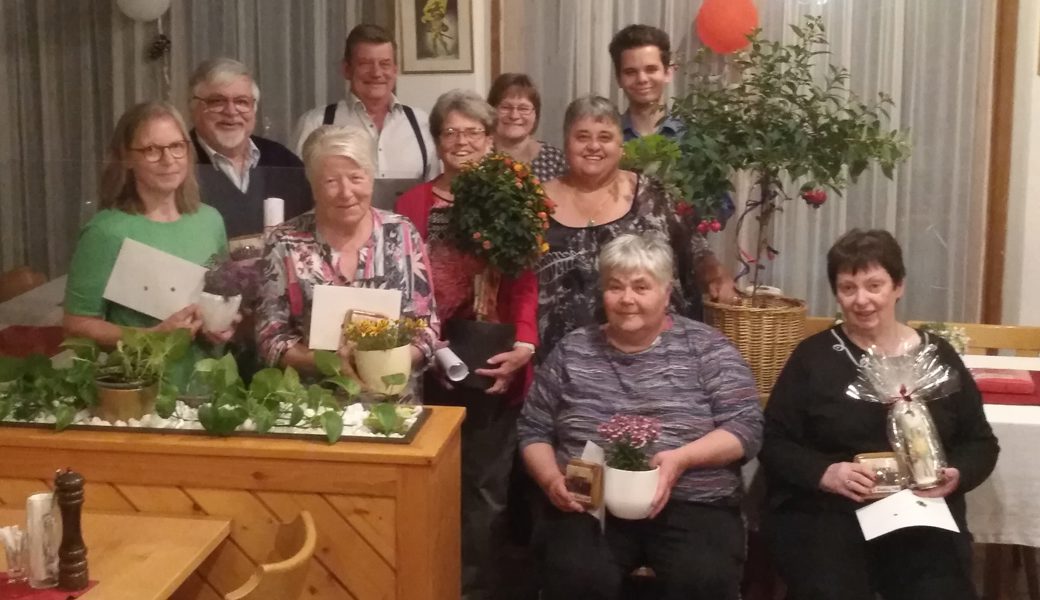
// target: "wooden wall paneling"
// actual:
[[13, 492], [373, 518]]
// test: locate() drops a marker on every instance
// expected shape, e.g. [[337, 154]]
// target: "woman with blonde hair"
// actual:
[[148, 194]]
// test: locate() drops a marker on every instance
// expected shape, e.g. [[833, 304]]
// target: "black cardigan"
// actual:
[[279, 174], [810, 423]]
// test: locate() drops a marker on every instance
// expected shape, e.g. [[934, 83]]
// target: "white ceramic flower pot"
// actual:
[[218, 311], [373, 365], [628, 494]]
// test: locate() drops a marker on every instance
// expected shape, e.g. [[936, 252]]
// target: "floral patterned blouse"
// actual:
[[298, 258], [569, 294]]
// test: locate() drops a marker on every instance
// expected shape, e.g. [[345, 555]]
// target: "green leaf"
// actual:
[[265, 382], [206, 365], [263, 418], [328, 363], [11, 368], [166, 403], [296, 415], [230, 368], [291, 380], [332, 423], [349, 385], [63, 414]]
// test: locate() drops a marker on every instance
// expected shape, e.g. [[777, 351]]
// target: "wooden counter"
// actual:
[[387, 515]]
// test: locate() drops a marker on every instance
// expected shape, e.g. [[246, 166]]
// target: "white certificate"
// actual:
[[153, 282], [331, 304], [902, 510]]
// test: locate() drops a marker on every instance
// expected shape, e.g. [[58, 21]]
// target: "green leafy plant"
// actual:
[[768, 113], [273, 397], [32, 387], [141, 358], [387, 418]]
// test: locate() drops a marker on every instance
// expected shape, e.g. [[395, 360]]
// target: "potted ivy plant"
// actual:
[[498, 216], [33, 387], [131, 381], [769, 117]]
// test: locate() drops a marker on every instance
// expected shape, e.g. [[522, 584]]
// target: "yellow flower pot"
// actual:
[[373, 365]]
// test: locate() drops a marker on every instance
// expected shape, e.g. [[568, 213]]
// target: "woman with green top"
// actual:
[[148, 194]]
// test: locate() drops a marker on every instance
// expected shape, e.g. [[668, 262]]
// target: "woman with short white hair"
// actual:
[[651, 362], [344, 241]]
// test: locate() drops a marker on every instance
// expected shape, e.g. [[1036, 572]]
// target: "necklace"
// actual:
[[599, 205]]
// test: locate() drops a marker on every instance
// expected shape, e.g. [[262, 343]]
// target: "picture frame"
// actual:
[[435, 36]]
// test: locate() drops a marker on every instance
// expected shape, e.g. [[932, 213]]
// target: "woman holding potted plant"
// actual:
[[648, 362], [596, 202], [345, 241], [461, 122], [149, 194]]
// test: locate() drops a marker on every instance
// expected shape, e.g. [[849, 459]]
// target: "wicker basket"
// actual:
[[765, 334]]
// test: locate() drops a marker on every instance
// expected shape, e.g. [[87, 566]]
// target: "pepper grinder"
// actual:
[[72, 555]]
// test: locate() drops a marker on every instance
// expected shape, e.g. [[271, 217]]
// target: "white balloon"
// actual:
[[143, 10]]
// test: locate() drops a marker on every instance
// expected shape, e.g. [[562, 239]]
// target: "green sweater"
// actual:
[[195, 237]]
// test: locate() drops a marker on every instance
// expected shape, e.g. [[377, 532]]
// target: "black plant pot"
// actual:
[[476, 341]]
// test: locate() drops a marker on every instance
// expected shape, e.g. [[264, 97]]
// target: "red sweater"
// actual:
[[517, 297]]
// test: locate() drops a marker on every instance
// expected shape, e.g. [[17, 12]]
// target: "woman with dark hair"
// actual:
[[148, 194], [814, 431], [519, 107]]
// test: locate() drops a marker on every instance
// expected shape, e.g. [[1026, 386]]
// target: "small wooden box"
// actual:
[[585, 481]]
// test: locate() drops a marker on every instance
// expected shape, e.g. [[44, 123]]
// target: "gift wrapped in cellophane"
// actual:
[[906, 382]]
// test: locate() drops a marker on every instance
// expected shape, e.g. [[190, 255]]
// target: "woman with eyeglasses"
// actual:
[[461, 123], [148, 194], [519, 106]]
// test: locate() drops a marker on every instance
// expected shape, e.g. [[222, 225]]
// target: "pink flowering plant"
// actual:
[[628, 439]]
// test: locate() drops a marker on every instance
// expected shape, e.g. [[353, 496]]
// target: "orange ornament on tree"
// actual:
[[723, 25]]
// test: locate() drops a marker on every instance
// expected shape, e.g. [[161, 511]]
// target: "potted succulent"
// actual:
[[382, 351], [767, 116], [131, 380], [498, 216], [629, 482]]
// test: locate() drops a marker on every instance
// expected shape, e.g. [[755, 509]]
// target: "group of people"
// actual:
[[607, 323]]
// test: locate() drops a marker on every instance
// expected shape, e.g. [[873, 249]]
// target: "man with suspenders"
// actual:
[[405, 151]]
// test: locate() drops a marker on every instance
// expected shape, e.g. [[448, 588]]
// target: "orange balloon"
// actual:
[[723, 25]]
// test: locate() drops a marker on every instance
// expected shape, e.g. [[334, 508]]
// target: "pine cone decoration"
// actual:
[[160, 46]]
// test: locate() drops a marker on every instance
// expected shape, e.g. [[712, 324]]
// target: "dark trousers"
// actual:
[[823, 556], [697, 552], [488, 447]]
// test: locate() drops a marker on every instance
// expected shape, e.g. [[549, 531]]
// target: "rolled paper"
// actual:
[[274, 212], [451, 364], [43, 523]]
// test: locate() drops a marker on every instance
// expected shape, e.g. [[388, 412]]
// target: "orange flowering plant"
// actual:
[[499, 214]]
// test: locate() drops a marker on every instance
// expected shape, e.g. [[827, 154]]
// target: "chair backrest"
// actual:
[[1023, 340], [19, 280], [283, 576], [814, 325]]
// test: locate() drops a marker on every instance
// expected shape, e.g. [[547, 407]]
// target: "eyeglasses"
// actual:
[[240, 104], [153, 153], [472, 133], [520, 109]]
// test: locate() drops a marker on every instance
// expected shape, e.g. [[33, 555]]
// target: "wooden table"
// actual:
[[141, 557], [387, 514]]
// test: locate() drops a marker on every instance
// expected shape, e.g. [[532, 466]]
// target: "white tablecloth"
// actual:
[[1006, 508]]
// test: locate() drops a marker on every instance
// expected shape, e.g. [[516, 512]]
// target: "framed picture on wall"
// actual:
[[435, 36]]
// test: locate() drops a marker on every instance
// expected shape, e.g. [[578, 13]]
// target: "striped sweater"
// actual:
[[691, 379]]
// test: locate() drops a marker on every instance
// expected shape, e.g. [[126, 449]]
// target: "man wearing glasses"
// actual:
[[236, 169], [405, 152]]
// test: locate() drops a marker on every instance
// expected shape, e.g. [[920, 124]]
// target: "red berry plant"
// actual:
[[628, 439], [772, 111], [499, 215]]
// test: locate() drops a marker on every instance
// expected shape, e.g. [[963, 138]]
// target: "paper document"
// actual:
[[902, 510], [331, 303], [153, 282]]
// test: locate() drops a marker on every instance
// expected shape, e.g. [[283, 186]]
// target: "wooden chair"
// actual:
[[282, 578], [19, 280], [1022, 341], [990, 339]]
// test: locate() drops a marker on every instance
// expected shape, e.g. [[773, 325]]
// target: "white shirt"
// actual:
[[397, 149], [227, 166]]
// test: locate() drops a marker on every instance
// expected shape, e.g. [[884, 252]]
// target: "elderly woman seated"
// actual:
[[814, 431], [646, 362], [343, 242]]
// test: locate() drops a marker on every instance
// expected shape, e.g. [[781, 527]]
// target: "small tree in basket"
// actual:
[[768, 114], [499, 215]]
